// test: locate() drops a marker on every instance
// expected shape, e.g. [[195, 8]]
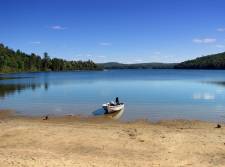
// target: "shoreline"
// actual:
[[76, 141], [10, 114], [108, 69], [23, 72]]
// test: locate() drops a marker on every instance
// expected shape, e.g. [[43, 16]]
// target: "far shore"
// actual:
[[75, 141]]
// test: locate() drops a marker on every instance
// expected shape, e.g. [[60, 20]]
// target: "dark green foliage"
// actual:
[[11, 61], [114, 65], [215, 61]]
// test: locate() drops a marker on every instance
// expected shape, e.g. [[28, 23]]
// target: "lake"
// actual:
[[147, 94]]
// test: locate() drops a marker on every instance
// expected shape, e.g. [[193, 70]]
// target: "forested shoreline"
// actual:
[[214, 61], [211, 62], [18, 61]]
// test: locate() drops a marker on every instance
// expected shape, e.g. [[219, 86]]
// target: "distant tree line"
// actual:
[[17, 61], [215, 61], [115, 65]]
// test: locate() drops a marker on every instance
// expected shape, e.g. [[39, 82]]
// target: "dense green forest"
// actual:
[[215, 61], [114, 65], [17, 61]]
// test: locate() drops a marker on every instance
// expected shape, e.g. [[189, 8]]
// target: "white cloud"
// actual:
[[97, 56], [90, 56], [203, 96], [127, 62], [220, 29], [58, 27], [157, 53], [35, 42], [220, 46], [204, 40], [101, 56], [138, 60], [105, 44]]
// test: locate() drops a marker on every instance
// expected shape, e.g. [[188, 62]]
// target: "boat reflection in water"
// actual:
[[102, 113], [115, 115]]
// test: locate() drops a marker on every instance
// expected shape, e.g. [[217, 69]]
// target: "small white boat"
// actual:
[[113, 107]]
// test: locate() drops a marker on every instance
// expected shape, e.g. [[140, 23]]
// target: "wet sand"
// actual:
[[74, 141]]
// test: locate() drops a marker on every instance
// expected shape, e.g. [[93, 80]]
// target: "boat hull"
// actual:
[[111, 109]]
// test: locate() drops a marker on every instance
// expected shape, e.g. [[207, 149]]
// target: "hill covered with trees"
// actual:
[[115, 65], [17, 61], [215, 61]]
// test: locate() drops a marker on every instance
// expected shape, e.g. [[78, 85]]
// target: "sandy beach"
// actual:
[[73, 141]]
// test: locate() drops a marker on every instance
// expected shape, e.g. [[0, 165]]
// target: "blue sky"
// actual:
[[128, 31]]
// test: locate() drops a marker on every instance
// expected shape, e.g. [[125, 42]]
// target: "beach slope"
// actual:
[[71, 141]]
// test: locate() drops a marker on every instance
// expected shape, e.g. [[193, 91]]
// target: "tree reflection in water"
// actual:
[[8, 89]]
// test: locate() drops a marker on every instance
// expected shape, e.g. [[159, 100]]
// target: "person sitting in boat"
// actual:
[[117, 101]]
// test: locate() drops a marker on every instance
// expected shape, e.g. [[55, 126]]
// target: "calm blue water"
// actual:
[[151, 94]]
